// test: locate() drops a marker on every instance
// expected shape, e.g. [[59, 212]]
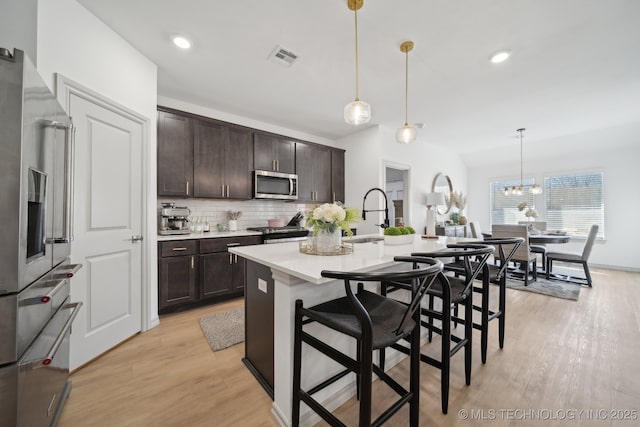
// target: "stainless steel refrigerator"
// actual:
[[36, 223]]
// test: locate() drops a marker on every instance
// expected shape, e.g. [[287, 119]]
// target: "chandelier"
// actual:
[[517, 191]]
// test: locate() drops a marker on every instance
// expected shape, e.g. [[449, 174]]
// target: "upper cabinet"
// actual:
[[200, 157], [222, 160], [274, 153], [337, 175], [313, 165], [175, 155]]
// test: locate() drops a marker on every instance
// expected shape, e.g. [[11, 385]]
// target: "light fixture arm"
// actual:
[[406, 48], [355, 5], [521, 163]]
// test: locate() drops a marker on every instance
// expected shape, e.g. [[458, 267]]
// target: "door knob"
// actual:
[[136, 238]]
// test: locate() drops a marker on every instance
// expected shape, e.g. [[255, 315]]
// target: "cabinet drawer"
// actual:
[[177, 248], [222, 243]]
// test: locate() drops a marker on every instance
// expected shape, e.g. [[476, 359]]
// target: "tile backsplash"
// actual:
[[255, 213]]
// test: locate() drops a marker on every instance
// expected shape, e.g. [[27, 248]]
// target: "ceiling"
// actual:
[[575, 64]]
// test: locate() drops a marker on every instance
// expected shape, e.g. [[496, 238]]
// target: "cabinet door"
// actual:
[[177, 281], [237, 163], [285, 155], [209, 150], [304, 166], [263, 158], [337, 175], [215, 274], [322, 174], [175, 155], [238, 273]]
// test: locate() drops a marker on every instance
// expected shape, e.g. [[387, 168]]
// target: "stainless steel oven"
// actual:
[[36, 195], [275, 185]]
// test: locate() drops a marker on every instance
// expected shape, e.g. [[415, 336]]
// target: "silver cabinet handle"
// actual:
[[187, 187], [222, 190], [291, 186], [230, 258], [278, 165], [228, 190], [334, 197], [233, 244], [235, 258], [192, 262], [136, 238], [179, 249]]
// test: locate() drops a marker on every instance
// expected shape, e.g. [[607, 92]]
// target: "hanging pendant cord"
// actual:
[[406, 89], [521, 159], [355, 14]]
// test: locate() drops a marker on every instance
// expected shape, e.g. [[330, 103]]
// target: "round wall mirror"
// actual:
[[442, 184]]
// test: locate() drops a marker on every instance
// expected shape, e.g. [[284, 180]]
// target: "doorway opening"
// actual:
[[396, 186]]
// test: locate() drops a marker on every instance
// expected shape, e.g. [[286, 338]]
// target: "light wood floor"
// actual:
[[559, 356]]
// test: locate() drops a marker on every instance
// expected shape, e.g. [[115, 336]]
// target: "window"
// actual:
[[574, 203], [504, 209]]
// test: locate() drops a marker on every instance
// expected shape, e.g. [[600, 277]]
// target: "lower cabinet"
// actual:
[[192, 272]]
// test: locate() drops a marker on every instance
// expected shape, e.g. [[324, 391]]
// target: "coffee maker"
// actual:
[[173, 220]]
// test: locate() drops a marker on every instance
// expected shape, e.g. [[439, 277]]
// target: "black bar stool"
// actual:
[[451, 290], [375, 322], [506, 248]]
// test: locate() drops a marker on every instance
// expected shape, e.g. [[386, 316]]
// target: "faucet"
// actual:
[[386, 208]]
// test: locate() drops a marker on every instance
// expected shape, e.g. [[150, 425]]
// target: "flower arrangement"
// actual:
[[330, 217], [530, 213], [234, 215], [459, 200]]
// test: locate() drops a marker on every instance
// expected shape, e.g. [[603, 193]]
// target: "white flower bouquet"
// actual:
[[330, 217]]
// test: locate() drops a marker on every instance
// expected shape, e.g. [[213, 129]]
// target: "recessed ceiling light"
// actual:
[[181, 42], [499, 57]]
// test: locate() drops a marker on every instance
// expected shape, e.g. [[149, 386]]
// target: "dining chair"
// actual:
[[578, 258], [523, 255], [374, 322], [450, 290], [476, 232], [538, 248]]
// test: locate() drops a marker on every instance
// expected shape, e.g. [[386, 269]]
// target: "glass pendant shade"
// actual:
[[357, 113], [536, 189], [406, 134]]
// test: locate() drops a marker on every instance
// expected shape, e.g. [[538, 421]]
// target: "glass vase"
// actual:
[[327, 242]]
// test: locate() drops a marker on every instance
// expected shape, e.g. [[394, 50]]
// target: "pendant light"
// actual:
[[517, 191], [356, 112], [407, 133]]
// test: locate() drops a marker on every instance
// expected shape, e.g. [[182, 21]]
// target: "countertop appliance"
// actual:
[[36, 195], [173, 220], [281, 234], [275, 185]]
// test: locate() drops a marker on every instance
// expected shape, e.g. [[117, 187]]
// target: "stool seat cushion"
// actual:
[[564, 256], [457, 289], [386, 314]]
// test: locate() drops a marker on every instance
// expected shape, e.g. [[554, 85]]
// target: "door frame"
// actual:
[[65, 88], [406, 169]]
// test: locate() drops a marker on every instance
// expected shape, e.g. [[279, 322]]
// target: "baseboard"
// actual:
[[616, 267]]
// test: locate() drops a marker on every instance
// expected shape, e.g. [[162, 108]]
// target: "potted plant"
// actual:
[[327, 222], [460, 202], [399, 235]]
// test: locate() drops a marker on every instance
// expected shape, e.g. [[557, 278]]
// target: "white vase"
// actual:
[[233, 225], [326, 242]]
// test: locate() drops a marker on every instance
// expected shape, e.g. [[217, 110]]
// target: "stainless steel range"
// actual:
[[289, 233], [36, 195]]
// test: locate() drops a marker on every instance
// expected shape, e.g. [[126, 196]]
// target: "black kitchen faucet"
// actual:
[[386, 208]]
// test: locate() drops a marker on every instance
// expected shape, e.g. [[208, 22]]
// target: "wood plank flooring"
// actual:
[[560, 357]]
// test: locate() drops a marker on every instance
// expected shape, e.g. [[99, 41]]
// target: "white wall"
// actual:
[[18, 26], [614, 151], [74, 43], [369, 151]]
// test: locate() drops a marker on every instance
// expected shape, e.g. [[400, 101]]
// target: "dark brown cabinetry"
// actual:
[[199, 271], [222, 160], [274, 153], [175, 155], [177, 273], [201, 157], [313, 166], [337, 175]]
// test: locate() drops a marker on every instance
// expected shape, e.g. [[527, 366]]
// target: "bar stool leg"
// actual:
[[502, 305], [297, 365], [468, 332], [484, 322], [446, 358]]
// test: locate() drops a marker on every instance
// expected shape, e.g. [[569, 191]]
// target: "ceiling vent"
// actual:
[[283, 56]]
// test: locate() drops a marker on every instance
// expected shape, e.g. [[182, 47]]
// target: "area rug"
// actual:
[[553, 288], [223, 330]]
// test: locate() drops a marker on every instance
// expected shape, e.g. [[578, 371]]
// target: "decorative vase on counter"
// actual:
[[233, 225], [327, 242]]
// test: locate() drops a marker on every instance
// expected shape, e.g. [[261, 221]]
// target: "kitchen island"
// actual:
[[278, 275]]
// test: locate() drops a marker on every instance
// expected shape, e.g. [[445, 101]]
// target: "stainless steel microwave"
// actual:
[[275, 185]]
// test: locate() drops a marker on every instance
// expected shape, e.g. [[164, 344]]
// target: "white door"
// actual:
[[108, 211]]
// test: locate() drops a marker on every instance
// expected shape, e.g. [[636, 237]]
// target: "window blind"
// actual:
[[575, 202]]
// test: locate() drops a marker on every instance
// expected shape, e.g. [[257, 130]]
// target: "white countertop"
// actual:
[[286, 257], [209, 235]]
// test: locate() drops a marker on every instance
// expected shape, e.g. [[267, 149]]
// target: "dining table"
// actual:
[[544, 238]]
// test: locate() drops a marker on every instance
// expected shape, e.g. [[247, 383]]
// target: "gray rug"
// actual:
[[223, 330], [553, 288]]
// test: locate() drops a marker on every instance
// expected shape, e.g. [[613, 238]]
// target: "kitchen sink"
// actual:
[[364, 239]]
